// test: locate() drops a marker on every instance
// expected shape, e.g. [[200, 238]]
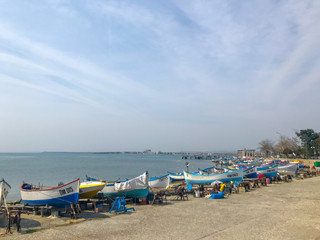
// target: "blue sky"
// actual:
[[167, 75]]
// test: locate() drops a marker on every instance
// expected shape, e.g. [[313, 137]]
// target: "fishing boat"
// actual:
[[90, 188], [289, 169], [250, 172], [268, 171], [176, 176], [60, 196], [133, 188], [4, 190], [159, 182], [198, 178]]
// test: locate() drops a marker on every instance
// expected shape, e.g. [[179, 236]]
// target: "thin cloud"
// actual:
[[167, 68]]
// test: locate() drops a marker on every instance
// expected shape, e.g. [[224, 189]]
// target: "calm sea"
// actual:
[[51, 168]]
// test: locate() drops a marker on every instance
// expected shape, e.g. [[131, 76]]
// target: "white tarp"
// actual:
[[2, 195], [4, 189], [215, 182], [139, 182]]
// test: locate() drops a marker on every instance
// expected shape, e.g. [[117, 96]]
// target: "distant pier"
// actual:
[[207, 156]]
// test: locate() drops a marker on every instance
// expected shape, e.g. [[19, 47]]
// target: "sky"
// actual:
[[80, 75]]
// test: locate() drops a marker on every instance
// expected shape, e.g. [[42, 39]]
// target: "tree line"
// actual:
[[306, 144]]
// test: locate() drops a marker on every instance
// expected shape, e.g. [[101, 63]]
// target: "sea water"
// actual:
[[49, 169]]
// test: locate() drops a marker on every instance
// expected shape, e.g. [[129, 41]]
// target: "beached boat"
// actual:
[[250, 172], [176, 176], [198, 178], [268, 171], [159, 182], [60, 196], [133, 188], [4, 190], [289, 169], [90, 188]]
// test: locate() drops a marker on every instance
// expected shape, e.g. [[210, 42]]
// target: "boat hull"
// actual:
[[196, 178], [134, 188], [289, 169], [90, 189], [136, 193], [56, 202], [250, 172], [176, 177], [267, 171], [61, 196]]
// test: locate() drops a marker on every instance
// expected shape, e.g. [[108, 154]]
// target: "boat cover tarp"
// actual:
[[139, 182], [216, 195]]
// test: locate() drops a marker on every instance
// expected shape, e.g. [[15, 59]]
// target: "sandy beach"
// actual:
[[278, 211]]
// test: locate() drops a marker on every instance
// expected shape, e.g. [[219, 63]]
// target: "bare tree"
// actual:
[[266, 147], [287, 146]]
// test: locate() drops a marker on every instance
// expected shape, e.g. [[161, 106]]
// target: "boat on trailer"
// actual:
[[60, 196], [198, 178], [133, 188], [4, 190], [159, 182]]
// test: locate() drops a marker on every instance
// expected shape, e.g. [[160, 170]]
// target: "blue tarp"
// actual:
[[216, 195]]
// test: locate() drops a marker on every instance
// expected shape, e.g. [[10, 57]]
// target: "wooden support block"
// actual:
[[54, 213], [34, 211], [242, 189]]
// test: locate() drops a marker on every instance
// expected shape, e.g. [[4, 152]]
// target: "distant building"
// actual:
[[148, 151], [246, 153]]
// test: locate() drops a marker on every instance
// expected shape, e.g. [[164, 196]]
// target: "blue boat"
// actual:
[[198, 178], [250, 172], [268, 171]]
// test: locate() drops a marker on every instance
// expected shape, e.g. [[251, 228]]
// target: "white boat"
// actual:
[[4, 190], [289, 169], [60, 196], [198, 178], [176, 176], [133, 188], [89, 189], [159, 182]]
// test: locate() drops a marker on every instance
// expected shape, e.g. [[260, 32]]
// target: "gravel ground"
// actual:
[[278, 211]]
